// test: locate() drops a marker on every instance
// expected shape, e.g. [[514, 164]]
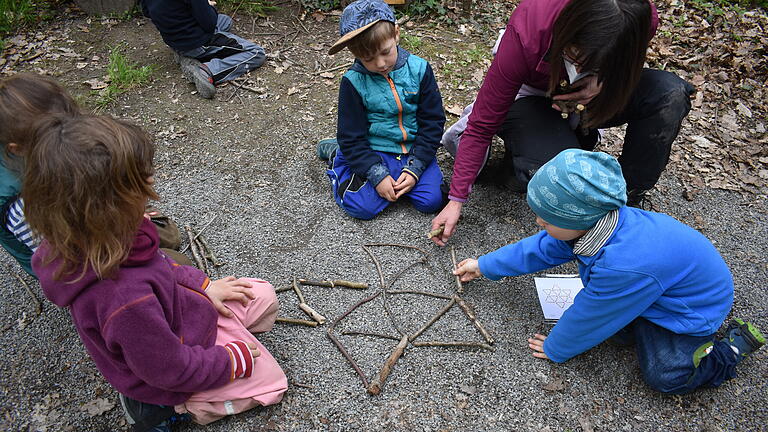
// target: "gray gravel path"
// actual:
[[258, 174]]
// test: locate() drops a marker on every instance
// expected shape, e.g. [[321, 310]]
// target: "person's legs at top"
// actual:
[[677, 363], [352, 192], [653, 117], [533, 133]]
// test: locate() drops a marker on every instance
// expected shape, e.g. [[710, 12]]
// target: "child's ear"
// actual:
[[397, 34], [14, 149]]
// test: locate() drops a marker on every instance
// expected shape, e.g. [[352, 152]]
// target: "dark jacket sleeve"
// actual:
[[205, 15], [352, 135], [431, 120]]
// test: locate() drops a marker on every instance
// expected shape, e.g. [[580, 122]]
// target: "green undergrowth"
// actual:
[[123, 75], [15, 14], [251, 7]]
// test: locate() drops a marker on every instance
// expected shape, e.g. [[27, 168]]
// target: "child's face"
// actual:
[[559, 233], [385, 58]]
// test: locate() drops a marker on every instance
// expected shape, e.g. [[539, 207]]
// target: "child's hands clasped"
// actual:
[[404, 184], [386, 189], [536, 343], [468, 270], [229, 288]]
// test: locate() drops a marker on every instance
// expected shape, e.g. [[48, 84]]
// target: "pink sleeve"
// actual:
[[502, 82]]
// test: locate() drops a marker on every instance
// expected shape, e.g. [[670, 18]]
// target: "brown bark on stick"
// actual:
[[283, 289], [206, 247], [334, 283], [378, 335], [203, 256], [193, 247], [338, 343], [424, 293], [459, 285], [454, 344], [184, 249], [383, 290], [434, 319], [472, 317], [312, 313], [378, 382], [296, 322], [436, 232], [298, 292]]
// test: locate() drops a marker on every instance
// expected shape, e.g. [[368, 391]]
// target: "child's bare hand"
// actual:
[[468, 270], [229, 288], [404, 184], [254, 349], [386, 189], [536, 343]]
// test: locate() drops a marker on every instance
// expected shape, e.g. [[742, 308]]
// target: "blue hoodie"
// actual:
[[646, 265]]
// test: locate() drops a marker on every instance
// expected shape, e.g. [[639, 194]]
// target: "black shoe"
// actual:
[[144, 417], [639, 198]]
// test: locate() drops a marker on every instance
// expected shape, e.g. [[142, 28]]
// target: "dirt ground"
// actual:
[[247, 159]]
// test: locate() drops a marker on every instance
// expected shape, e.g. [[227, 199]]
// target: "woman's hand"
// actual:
[[449, 217], [468, 270], [229, 288], [585, 90], [536, 343]]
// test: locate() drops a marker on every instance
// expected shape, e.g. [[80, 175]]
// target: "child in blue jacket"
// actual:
[[390, 119], [648, 279]]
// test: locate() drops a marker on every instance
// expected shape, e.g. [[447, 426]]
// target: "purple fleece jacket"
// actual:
[[519, 60], [151, 330]]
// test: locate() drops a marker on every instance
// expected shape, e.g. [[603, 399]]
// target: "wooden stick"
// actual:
[[38, 305], [348, 357], [334, 283], [434, 319], [296, 322], [203, 257], [193, 247], [378, 382], [383, 290], [215, 261], [312, 313], [378, 335], [455, 266], [298, 292], [333, 69], [283, 289], [472, 317], [424, 293], [201, 231], [436, 232], [454, 344]]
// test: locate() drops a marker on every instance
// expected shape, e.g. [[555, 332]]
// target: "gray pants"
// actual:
[[227, 55]]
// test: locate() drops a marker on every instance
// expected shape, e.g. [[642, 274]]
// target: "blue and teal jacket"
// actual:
[[401, 114], [642, 264]]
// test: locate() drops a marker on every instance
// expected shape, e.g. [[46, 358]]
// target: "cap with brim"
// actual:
[[358, 17]]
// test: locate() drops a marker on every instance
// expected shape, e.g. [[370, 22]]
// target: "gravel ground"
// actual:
[[250, 163]]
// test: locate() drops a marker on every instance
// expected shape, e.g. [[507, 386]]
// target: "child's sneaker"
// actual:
[[744, 338], [199, 75], [326, 148], [147, 417]]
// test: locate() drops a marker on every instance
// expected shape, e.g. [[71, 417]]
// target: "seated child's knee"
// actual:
[[667, 381], [429, 204], [360, 212]]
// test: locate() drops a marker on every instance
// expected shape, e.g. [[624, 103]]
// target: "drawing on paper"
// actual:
[[556, 294], [559, 296]]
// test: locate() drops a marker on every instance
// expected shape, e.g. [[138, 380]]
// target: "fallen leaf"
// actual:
[[279, 70], [328, 75], [96, 83], [556, 384], [455, 110], [97, 407], [318, 16], [468, 389], [292, 90]]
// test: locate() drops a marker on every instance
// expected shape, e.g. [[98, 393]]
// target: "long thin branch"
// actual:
[[193, 248], [378, 382], [296, 322], [298, 292], [434, 319], [472, 317], [454, 344], [424, 293], [384, 291], [378, 335], [460, 286], [38, 305], [334, 283], [333, 69], [200, 232]]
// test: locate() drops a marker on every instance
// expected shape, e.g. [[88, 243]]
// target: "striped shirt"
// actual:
[[17, 225]]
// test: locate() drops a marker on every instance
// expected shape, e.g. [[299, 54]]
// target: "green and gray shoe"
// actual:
[[743, 337], [326, 148]]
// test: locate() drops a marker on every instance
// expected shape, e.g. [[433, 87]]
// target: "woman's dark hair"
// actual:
[[611, 38]]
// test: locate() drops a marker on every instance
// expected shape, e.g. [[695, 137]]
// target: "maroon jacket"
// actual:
[[151, 330], [519, 60]]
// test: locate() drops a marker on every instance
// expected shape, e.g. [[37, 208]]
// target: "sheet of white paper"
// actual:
[[556, 294]]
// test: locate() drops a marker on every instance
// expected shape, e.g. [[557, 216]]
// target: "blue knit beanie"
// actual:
[[577, 188]]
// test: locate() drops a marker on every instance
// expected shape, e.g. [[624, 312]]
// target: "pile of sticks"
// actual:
[[202, 253]]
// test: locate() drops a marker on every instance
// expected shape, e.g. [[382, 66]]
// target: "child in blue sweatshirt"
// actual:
[[390, 119], [648, 279]]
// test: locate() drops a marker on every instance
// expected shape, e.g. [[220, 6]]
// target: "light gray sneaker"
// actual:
[[195, 73]]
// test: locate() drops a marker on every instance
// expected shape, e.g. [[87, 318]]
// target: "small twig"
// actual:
[[333, 69], [38, 305], [267, 34], [472, 317], [378, 335], [312, 313], [436, 232], [298, 292], [460, 286], [454, 344], [375, 387], [434, 319], [201, 251], [348, 357], [302, 25], [32, 57], [296, 322], [283, 289], [200, 232], [215, 261], [334, 283], [424, 293], [383, 290], [193, 247], [306, 386]]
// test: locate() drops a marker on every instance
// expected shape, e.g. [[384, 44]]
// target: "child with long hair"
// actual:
[[166, 337], [23, 99]]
